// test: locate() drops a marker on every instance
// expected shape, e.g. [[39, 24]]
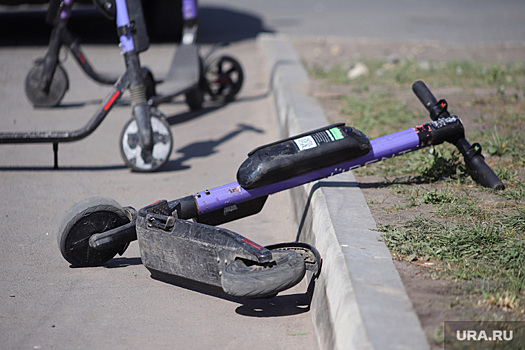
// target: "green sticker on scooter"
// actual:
[[336, 133]]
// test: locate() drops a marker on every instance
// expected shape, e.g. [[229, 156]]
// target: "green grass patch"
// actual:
[[492, 252], [377, 113]]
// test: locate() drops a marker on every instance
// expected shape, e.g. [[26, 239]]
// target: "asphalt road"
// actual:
[[47, 304], [457, 22], [460, 22]]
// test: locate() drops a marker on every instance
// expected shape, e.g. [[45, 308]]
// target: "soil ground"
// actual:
[[435, 300]]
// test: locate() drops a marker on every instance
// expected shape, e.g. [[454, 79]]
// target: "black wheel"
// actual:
[[224, 78], [195, 97], [142, 160], [248, 279], [90, 216], [57, 89]]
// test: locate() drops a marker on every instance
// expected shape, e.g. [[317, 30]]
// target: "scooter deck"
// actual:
[[173, 248], [184, 73]]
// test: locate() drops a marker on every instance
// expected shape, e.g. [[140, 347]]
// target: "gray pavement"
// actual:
[[458, 22], [46, 304]]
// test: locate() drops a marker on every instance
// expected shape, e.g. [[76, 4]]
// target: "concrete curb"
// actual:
[[359, 301]]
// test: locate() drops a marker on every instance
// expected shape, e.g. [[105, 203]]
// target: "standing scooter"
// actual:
[[146, 141], [189, 75], [47, 82], [178, 238], [152, 137], [192, 75]]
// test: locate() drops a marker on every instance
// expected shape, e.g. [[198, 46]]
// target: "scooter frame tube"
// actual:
[[382, 148], [125, 38], [55, 42]]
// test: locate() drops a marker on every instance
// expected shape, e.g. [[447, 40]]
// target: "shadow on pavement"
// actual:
[[201, 149], [278, 306]]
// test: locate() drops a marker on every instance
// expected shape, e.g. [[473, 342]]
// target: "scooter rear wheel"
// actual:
[[224, 76], [248, 279], [195, 98], [135, 156], [84, 219], [57, 89]]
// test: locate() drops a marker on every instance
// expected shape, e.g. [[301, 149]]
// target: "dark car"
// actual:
[[163, 17]]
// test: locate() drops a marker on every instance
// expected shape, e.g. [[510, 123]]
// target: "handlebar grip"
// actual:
[[483, 174], [424, 95], [480, 170]]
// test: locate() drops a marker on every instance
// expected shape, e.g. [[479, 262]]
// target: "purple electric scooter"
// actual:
[[171, 245], [146, 140], [151, 139]]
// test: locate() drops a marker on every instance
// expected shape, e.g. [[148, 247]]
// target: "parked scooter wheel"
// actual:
[[142, 160], [224, 76], [195, 96], [86, 218], [57, 89], [248, 279]]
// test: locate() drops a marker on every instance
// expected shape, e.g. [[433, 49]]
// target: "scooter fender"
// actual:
[[192, 250]]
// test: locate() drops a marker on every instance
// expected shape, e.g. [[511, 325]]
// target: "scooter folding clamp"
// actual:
[[163, 222]]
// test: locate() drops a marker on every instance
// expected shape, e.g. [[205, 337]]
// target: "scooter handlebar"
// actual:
[[437, 109], [483, 174], [480, 170], [424, 95]]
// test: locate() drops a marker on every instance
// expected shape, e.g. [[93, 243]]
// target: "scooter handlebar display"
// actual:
[[479, 169]]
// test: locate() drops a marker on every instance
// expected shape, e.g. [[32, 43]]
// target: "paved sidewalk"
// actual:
[[46, 304]]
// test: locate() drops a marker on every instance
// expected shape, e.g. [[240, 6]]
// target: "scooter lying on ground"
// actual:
[[146, 140], [95, 230]]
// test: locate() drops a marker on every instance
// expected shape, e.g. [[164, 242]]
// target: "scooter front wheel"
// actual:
[[243, 278], [139, 159], [57, 88], [84, 219]]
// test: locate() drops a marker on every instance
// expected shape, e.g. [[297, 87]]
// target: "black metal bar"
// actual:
[[55, 155], [74, 135], [82, 60]]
